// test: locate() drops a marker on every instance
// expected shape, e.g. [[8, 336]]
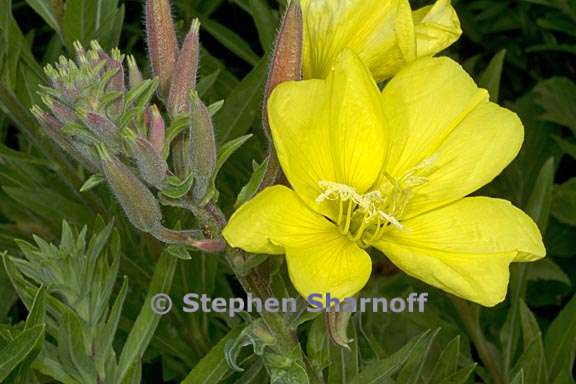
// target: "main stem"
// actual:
[[478, 339], [254, 283]]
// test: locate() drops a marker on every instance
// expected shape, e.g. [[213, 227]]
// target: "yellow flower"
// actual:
[[391, 170], [386, 34]]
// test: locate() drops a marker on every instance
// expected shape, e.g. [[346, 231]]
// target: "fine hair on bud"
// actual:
[[139, 204], [162, 42], [185, 71]]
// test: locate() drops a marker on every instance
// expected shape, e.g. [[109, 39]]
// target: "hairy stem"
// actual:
[[256, 284]]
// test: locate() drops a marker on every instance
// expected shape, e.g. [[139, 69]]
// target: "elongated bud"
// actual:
[[63, 113], [162, 43], [157, 129], [287, 57], [138, 202], [336, 325], [286, 65], [117, 83], [52, 128], [152, 166], [134, 74], [104, 129], [203, 146], [185, 72]]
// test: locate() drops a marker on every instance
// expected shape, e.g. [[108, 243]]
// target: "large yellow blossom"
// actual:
[[390, 169], [386, 34]]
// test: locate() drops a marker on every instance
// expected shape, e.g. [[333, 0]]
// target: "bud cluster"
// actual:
[[102, 114]]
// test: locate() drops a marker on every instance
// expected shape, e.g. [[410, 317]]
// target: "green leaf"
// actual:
[[412, 370], [266, 22], [242, 106], [176, 188], [447, 362], [72, 349], [178, 251], [547, 270], [250, 189], [37, 312], [381, 370], [318, 345], [228, 150], [345, 363], [92, 182], [519, 378], [564, 203], [147, 321], [557, 96], [540, 201], [491, 76], [104, 350], [533, 360], [20, 348], [51, 11], [230, 40], [460, 376], [212, 368], [83, 19], [560, 342]]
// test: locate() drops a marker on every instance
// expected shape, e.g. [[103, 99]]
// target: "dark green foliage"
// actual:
[[74, 307]]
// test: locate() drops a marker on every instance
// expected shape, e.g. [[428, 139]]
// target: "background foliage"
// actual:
[[75, 274]]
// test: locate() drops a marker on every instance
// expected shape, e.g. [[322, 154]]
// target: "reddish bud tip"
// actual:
[[157, 129], [162, 43], [185, 71], [287, 58]]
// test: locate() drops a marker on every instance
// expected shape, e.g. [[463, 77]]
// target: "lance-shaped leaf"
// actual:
[[185, 72], [162, 43], [134, 73]]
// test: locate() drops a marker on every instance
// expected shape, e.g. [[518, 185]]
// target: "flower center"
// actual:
[[365, 218]]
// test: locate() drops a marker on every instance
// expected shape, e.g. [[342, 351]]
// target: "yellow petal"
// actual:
[[273, 219], [476, 151], [384, 33], [436, 27], [466, 247], [329, 130], [423, 104], [367, 27], [333, 265]]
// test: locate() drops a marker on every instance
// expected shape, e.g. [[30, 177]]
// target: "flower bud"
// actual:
[[203, 146], [287, 58], [185, 72], [139, 204], [337, 324], [116, 83], [162, 43], [62, 112], [157, 129], [104, 129], [53, 129], [152, 166]]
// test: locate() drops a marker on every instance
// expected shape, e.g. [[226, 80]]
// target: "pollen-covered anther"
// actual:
[[362, 217]]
